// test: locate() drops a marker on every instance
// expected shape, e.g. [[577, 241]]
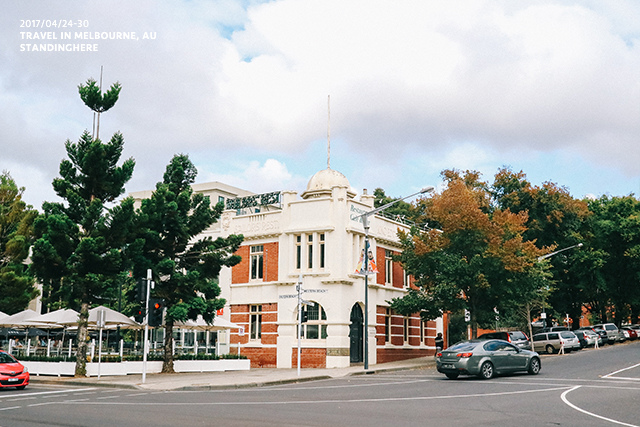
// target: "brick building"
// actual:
[[316, 238]]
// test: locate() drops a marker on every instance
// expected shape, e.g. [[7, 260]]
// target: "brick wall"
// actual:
[[263, 352], [240, 271], [309, 357]]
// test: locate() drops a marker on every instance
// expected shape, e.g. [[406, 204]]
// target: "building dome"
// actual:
[[323, 181]]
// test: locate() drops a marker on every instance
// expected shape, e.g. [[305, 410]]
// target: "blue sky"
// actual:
[[551, 88]]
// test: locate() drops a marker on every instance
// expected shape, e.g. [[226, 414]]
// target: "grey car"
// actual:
[[517, 338], [486, 359]]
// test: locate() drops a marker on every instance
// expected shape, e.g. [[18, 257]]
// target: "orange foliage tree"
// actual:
[[473, 257]]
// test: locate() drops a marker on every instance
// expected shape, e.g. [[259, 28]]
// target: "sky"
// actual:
[[253, 91]]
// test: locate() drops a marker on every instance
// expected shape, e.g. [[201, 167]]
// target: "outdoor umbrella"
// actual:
[[11, 333], [3, 315], [218, 324], [64, 316], [112, 319], [22, 319]]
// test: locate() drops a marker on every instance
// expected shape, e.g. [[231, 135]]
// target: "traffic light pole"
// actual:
[[146, 329]]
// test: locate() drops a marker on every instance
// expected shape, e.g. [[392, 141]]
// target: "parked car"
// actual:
[[635, 328], [604, 339], [12, 372], [587, 338], [517, 338], [629, 333], [553, 329], [613, 334], [486, 359], [552, 342]]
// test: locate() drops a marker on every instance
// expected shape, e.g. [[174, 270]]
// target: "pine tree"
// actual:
[[185, 270], [16, 235], [80, 244]]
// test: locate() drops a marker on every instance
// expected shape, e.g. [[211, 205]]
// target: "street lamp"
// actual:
[[365, 222], [540, 258]]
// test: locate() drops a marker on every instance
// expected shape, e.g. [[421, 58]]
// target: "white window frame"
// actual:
[[255, 322], [256, 264]]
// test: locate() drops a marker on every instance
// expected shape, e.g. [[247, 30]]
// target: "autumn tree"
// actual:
[[474, 258], [80, 244], [185, 267], [16, 235]]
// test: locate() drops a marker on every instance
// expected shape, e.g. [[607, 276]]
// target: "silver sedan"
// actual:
[[486, 359]]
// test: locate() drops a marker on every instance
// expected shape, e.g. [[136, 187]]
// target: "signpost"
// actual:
[[301, 302], [146, 327]]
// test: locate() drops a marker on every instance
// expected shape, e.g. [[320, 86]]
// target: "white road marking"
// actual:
[[10, 407], [42, 393], [565, 400], [622, 370], [314, 402]]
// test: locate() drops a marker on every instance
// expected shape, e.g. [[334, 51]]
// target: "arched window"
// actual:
[[316, 325]]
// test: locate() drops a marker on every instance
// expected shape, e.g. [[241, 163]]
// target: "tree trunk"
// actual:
[[167, 363], [81, 352]]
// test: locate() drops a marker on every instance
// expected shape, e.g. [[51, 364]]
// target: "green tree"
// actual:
[[79, 248], [475, 259], [615, 249], [16, 235], [555, 220], [185, 270], [92, 96]]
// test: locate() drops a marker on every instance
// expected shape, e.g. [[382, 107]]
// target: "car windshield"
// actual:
[[463, 346], [6, 358]]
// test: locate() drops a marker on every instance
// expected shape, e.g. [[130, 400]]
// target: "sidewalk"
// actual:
[[231, 379]]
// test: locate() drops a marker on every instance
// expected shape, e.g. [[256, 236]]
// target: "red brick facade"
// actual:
[[310, 357], [240, 272], [262, 351], [397, 348]]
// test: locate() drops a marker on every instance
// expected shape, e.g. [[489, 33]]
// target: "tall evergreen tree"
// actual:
[[16, 235], [185, 270], [79, 246]]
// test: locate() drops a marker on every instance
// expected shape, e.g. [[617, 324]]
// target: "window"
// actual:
[[220, 199], [322, 250], [255, 322], [310, 251], [388, 267], [423, 326], [406, 329], [257, 262], [406, 279], [315, 327], [298, 252], [387, 325]]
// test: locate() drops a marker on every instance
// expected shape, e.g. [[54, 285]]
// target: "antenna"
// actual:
[[328, 131]]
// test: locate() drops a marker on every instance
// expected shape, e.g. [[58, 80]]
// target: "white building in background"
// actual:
[[319, 237]]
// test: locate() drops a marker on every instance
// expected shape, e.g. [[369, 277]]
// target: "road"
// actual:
[[587, 388]]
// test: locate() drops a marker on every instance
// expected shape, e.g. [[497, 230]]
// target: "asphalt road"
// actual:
[[587, 388]]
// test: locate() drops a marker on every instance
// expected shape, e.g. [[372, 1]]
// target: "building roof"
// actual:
[[324, 181]]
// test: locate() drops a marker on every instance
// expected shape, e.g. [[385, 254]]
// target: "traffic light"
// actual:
[[156, 309], [305, 316], [141, 290], [139, 314]]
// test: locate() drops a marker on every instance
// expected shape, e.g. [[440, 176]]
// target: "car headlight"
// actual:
[[25, 370]]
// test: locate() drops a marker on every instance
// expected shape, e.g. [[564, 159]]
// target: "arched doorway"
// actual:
[[356, 334]]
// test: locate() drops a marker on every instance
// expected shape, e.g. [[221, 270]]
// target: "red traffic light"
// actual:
[[157, 305]]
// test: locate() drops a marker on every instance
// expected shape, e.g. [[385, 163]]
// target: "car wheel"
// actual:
[[452, 375], [486, 370], [534, 366], [20, 387], [549, 349]]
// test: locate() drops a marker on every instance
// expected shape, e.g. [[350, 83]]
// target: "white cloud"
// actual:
[[409, 81]]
